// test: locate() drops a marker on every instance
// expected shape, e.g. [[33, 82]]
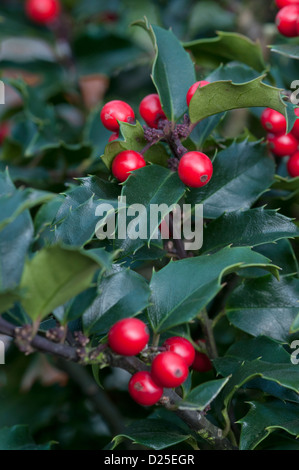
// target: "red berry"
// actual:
[[195, 169], [169, 370], [283, 145], [125, 162], [114, 111], [151, 110], [182, 347], [295, 130], [128, 337], [113, 136], [193, 89], [201, 362], [273, 121], [42, 11], [4, 131], [286, 3], [293, 165], [144, 390], [286, 20]]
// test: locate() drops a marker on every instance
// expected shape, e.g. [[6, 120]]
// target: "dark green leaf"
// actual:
[[120, 295], [18, 438], [241, 173], [193, 283], [200, 397], [265, 306], [265, 418], [227, 47], [156, 434], [172, 82], [248, 228]]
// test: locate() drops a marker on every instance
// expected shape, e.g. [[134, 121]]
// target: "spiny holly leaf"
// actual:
[[283, 374], [76, 220], [261, 347], [173, 71], [281, 254], [265, 418], [227, 47], [201, 397], [221, 96], [286, 184], [17, 201], [133, 135], [121, 294], [193, 283], [235, 71], [156, 434], [15, 237], [248, 228], [18, 438], [55, 275], [287, 50], [267, 350], [265, 306], [149, 186], [243, 169]]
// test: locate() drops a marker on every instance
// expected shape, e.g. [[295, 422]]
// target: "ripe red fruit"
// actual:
[[144, 390], [195, 169], [182, 347], [151, 110], [295, 130], [286, 20], [113, 136], [128, 337], [193, 89], [42, 11], [125, 162], [283, 145], [114, 111], [169, 370], [201, 362], [4, 131], [286, 3], [273, 121], [293, 165]]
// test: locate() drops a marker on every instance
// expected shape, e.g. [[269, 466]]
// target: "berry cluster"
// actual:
[[280, 143], [287, 19], [169, 368], [195, 168]]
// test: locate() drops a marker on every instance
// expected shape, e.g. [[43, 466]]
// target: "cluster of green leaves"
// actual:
[[54, 269]]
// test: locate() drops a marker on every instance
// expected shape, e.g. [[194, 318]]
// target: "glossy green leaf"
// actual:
[[221, 96], [7, 299], [18, 438], [201, 397], [265, 418], [148, 186], [193, 283], [243, 169], [287, 50], [227, 47], [76, 220], [156, 434], [248, 228], [172, 82], [133, 139], [120, 295], [265, 306], [55, 275]]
